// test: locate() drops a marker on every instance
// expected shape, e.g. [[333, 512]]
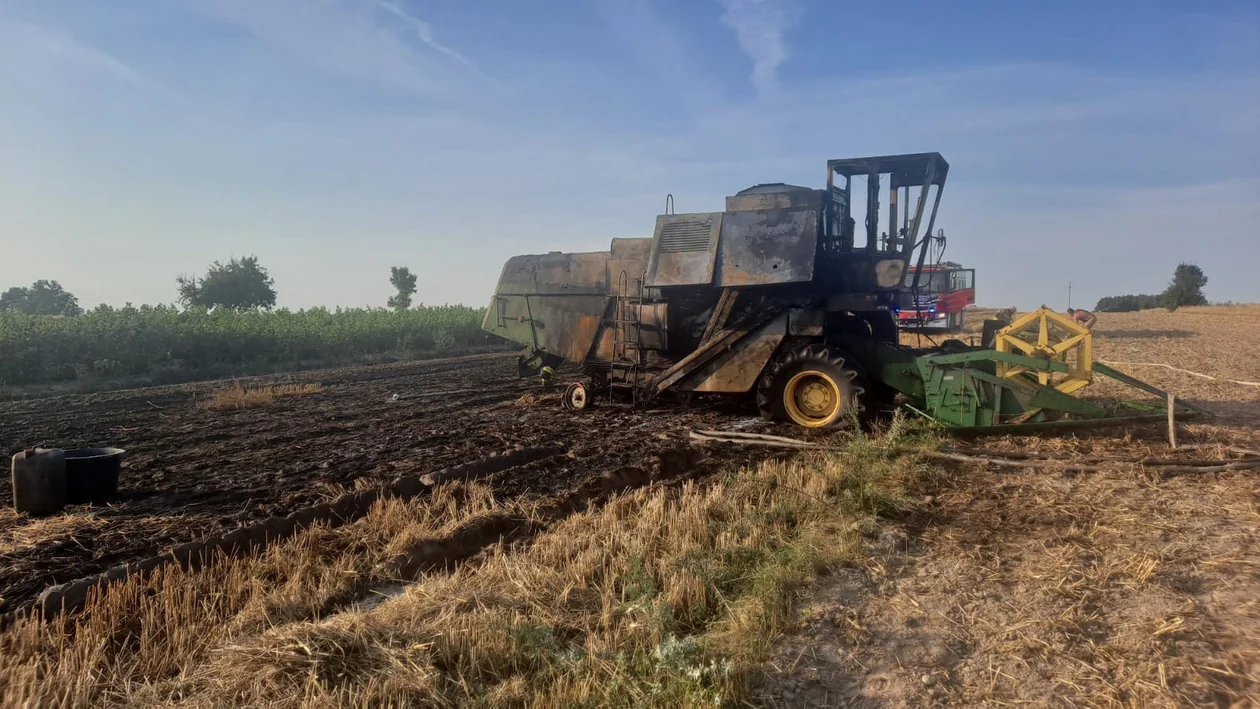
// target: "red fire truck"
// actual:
[[944, 292]]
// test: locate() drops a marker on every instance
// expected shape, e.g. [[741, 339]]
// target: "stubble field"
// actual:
[[868, 575]]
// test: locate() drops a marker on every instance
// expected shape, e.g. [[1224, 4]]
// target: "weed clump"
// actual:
[[238, 396]]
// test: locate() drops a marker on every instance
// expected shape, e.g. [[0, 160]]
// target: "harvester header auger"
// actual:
[[781, 297], [1022, 384]]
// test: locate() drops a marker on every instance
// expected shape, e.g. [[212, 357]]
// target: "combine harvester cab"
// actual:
[[783, 294]]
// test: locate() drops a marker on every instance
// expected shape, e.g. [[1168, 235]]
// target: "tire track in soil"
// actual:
[[192, 473]]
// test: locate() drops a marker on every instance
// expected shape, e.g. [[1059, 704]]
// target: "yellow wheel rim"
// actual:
[[812, 399]]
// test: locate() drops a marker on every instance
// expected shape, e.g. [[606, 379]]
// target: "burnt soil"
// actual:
[[193, 472]]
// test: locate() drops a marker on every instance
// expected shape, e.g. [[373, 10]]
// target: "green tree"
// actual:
[[14, 299], [41, 298], [240, 284], [402, 279], [1186, 287], [1128, 303]]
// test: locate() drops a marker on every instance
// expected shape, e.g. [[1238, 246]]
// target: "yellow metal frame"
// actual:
[[1045, 334]]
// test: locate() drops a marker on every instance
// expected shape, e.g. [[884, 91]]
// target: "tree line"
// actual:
[[1186, 288], [240, 284]]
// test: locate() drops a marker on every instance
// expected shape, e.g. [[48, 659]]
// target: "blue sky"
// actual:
[[1094, 142]]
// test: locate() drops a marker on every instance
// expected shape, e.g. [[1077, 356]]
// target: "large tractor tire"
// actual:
[[811, 387]]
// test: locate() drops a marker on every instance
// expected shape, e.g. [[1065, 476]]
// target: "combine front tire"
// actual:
[[812, 388]]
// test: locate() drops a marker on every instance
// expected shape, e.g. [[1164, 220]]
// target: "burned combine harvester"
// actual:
[[785, 295]]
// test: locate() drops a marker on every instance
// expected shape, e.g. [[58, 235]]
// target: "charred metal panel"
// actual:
[[652, 328], [631, 256], [867, 272], [737, 369], [683, 249], [563, 325], [806, 321], [552, 302], [767, 246], [603, 351], [558, 302], [569, 325], [631, 248], [556, 273], [720, 314], [889, 272], [853, 302], [787, 197]]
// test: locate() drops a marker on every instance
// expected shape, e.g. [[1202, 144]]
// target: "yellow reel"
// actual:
[[1046, 334]]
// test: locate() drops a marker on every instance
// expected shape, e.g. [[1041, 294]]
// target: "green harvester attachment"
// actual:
[[1022, 381]]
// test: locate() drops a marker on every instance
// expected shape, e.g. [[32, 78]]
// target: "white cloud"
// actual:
[[424, 31], [349, 38], [759, 26], [33, 55]]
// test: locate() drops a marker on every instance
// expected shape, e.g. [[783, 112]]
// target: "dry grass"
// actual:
[[663, 596], [16, 537], [1103, 589], [531, 399], [1108, 589], [238, 396], [1250, 310]]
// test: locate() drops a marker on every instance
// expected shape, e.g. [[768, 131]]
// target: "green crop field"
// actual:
[[165, 344]]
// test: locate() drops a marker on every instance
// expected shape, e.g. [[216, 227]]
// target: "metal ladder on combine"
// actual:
[[627, 335]]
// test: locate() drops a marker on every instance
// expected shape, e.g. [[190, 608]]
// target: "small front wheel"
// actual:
[[576, 397]]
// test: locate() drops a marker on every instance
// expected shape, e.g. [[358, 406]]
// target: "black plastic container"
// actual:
[[39, 481], [92, 474]]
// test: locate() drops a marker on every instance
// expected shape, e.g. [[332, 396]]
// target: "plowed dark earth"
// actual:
[[192, 472]]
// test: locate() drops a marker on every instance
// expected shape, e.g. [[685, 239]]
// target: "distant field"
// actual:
[[157, 345], [1215, 341], [1239, 310]]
